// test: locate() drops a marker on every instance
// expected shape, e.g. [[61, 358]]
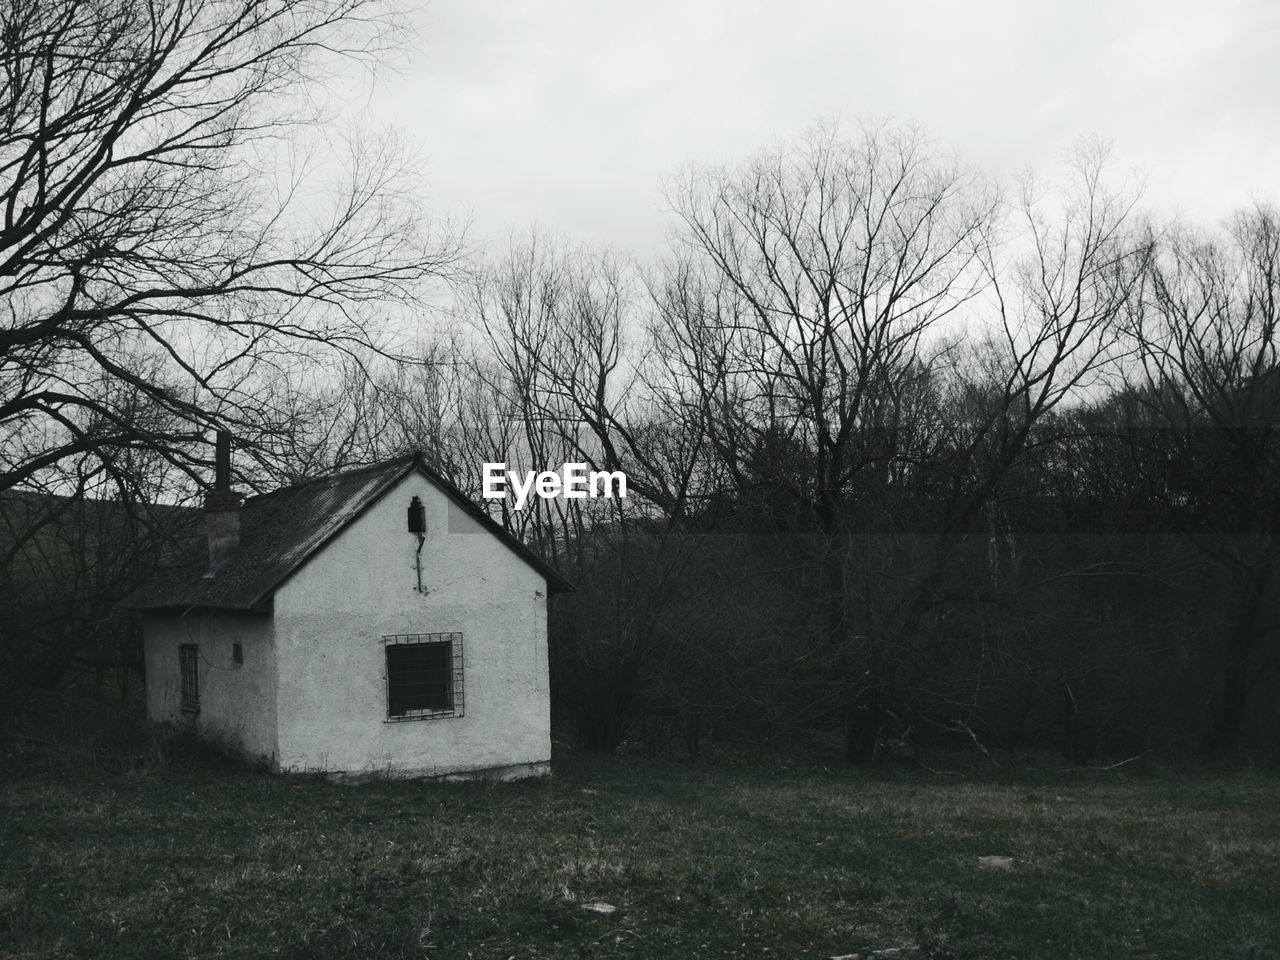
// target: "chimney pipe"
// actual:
[[222, 506], [222, 462]]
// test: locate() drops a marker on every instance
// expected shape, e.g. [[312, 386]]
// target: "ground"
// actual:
[[711, 859]]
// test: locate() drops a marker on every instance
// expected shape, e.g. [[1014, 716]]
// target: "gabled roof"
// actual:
[[281, 531]]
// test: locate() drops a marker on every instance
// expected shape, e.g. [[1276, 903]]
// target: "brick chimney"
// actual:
[[222, 506]]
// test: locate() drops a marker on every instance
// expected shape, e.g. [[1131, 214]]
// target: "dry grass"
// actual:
[[200, 859]]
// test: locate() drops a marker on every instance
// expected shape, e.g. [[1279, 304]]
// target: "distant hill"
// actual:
[[64, 564]]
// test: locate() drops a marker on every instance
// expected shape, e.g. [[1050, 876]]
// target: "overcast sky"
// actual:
[[569, 112]]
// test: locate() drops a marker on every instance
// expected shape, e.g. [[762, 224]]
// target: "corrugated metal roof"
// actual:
[[281, 531]]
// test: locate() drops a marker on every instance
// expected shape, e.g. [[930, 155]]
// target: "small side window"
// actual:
[[189, 676], [237, 653]]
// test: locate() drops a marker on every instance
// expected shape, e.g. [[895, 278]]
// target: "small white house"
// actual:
[[374, 621]]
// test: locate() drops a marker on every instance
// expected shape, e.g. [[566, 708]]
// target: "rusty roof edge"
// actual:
[[260, 606], [264, 596], [336, 474], [407, 463]]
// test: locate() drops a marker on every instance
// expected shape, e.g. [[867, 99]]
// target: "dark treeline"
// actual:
[[909, 459], [913, 457]]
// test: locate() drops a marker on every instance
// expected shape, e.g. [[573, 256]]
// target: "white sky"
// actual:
[[569, 112]]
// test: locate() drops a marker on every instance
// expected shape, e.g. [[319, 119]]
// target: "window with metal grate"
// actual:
[[424, 676]]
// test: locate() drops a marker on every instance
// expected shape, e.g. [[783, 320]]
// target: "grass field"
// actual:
[[198, 859]]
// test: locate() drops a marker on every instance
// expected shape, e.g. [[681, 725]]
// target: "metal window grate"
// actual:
[[189, 675], [424, 676]]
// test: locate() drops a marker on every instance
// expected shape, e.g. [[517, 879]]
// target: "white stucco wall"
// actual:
[[237, 701], [331, 616]]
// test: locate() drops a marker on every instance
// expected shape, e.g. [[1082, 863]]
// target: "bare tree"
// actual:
[[1061, 273], [1063, 282], [810, 305], [1208, 341], [148, 236], [66, 558], [559, 327]]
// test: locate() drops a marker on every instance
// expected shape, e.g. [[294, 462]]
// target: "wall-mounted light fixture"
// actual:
[[418, 527]]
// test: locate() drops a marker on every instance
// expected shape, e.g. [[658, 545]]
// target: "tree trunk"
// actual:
[[860, 713], [862, 727], [1228, 707]]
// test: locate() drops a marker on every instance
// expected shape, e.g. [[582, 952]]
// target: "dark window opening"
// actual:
[[237, 653], [424, 676], [189, 676], [417, 516]]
